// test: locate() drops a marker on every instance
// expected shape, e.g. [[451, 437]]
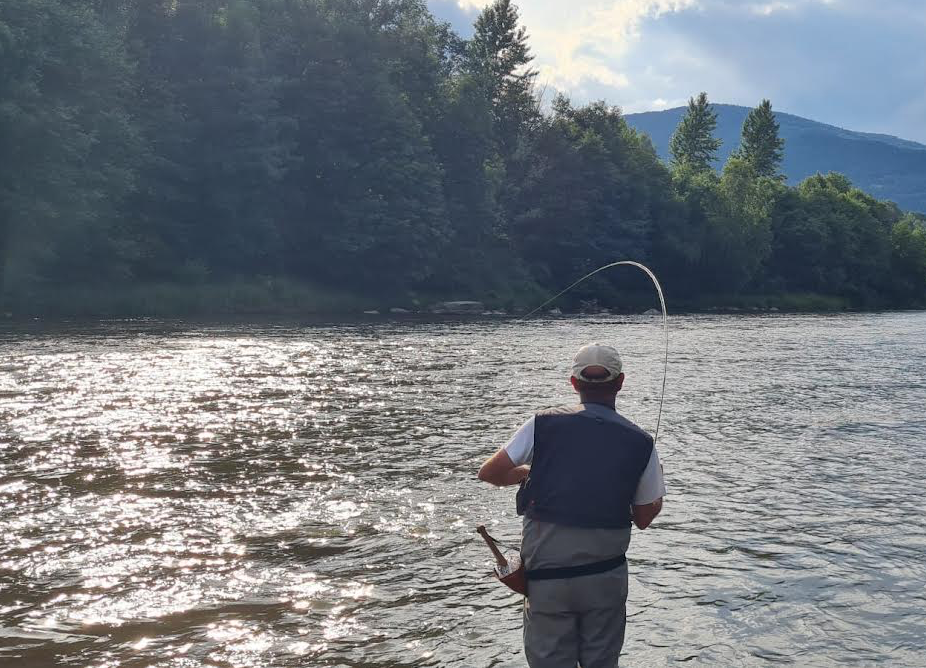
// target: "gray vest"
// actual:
[[587, 464]]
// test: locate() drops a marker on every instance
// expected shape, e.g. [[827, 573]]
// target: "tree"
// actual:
[[591, 195], [362, 144], [831, 238], [220, 144], [365, 207], [499, 57], [738, 240], [67, 145], [693, 142], [472, 177], [761, 147], [908, 259], [678, 237]]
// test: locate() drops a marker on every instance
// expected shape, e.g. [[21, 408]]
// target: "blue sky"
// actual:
[[858, 64]]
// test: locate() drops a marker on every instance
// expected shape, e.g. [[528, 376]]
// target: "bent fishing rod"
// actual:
[[510, 571], [665, 320]]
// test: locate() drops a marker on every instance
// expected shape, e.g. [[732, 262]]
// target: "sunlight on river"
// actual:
[[175, 495]]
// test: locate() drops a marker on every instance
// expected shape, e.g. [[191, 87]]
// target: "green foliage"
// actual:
[[473, 174], [908, 258], [894, 169], [256, 295], [738, 240], [498, 56], [723, 233], [589, 194], [219, 144], [369, 209], [833, 238], [223, 155], [678, 238], [693, 145], [67, 145], [762, 148]]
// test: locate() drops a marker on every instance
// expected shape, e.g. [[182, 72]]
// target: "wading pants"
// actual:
[[590, 638]]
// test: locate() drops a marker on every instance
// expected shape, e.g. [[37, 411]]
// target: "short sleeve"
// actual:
[[651, 487], [521, 446]]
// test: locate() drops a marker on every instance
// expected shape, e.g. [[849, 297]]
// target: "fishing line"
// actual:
[[511, 572], [665, 321]]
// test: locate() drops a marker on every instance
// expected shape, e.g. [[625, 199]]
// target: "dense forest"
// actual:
[[362, 148]]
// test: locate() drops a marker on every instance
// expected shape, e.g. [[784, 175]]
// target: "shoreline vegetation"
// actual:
[[341, 156], [283, 298]]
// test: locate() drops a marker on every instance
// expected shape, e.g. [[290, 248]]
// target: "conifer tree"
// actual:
[[761, 145], [498, 55], [693, 144]]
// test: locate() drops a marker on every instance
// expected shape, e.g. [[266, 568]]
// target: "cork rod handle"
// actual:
[[499, 557]]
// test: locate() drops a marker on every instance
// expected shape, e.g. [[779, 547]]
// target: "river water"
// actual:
[[290, 494]]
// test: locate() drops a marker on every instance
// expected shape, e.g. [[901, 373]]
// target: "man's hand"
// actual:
[[500, 471], [643, 516]]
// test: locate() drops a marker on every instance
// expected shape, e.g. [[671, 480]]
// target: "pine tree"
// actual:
[[761, 146], [693, 143], [499, 57], [499, 44]]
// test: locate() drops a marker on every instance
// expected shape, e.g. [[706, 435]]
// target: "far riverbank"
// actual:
[[290, 298]]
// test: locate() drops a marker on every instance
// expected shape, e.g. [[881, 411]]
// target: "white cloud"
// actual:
[[583, 44], [845, 62], [769, 8]]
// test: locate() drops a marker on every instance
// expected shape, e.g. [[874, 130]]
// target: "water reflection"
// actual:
[[172, 495]]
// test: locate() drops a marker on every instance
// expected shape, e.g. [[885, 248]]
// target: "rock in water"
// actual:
[[459, 308]]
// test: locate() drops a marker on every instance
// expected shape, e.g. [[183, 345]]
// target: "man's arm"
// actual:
[[500, 471], [501, 468], [647, 501], [644, 515]]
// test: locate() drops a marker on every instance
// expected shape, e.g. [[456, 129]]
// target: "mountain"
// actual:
[[884, 166]]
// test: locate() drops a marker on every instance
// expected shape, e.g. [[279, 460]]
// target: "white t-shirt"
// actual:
[[651, 487]]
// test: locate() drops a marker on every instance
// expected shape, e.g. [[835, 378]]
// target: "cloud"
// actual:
[[578, 46], [847, 62], [459, 15], [583, 45], [769, 8]]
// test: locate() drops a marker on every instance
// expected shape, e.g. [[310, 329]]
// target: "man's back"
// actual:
[[585, 465], [587, 473]]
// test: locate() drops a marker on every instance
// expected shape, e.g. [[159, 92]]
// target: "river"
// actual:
[[303, 494]]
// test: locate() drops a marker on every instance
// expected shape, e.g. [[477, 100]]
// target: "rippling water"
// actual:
[[304, 495]]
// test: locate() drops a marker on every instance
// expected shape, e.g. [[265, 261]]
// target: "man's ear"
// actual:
[[574, 383], [620, 382]]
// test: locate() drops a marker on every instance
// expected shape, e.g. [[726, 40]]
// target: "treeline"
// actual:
[[363, 146]]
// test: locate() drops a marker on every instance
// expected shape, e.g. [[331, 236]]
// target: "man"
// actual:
[[588, 472]]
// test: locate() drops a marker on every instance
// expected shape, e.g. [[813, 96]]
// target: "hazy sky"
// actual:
[[858, 64]]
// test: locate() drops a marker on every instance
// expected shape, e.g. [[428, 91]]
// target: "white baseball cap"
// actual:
[[597, 354]]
